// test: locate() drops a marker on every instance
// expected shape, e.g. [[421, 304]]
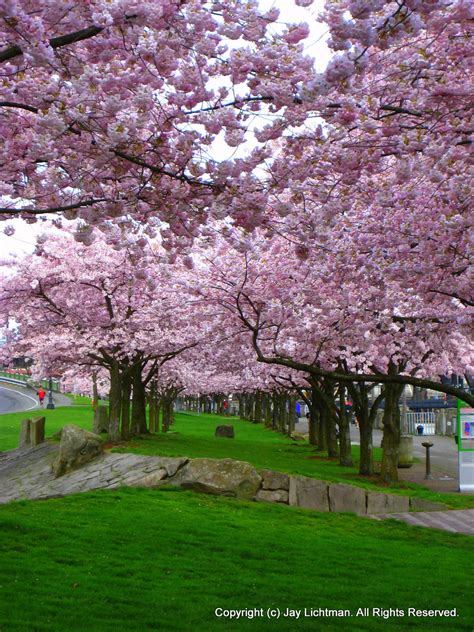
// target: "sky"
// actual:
[[23, 241]]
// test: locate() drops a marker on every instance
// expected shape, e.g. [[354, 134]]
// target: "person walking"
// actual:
[[41, 395]]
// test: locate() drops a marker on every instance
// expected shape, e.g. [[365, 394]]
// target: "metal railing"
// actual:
[[421, 423]]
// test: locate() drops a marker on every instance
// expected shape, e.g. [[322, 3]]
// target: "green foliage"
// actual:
[[140, 560]]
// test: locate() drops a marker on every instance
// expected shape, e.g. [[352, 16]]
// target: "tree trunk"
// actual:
[[282, 412], [138, 425], [258, 408], [345, 450], [391, 433], [115, 401], [125, 416], [95, 392], [167, 413], [313, 422], [268, 410]]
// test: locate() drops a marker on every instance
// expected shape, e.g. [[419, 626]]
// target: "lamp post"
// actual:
[[50, 403]]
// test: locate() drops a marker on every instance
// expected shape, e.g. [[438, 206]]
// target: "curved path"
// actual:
[[15, 399], [12, 400]]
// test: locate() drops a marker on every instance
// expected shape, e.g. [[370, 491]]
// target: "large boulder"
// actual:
[[77, 447], [225, 431], [218, 476], [274, 480], [308, 493]]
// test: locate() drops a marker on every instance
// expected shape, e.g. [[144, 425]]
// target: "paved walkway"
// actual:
[[456, 521]]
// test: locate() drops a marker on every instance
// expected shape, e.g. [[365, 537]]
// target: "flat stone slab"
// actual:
[[455, 521], [378, 503], [347, 498], [27, 473], [308, 493]]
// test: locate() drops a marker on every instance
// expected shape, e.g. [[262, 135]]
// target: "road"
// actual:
[[444, 453], [15, 399]]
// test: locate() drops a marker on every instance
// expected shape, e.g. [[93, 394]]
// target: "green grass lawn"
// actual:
[[135, 560], [55, 420]]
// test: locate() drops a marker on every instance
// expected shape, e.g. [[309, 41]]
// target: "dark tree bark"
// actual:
[[258, 408], [313, 421], [391, 433], [125, 412], [115, 401], [345, 449], [138, 424]]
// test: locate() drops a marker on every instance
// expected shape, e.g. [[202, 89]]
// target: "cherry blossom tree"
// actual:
[[123, 111], [96, 306], [337, 321]]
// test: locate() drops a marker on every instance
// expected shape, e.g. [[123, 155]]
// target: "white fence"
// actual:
[[421, 423]]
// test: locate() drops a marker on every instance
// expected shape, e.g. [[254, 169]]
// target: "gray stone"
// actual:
[[171, 465], [77, 447], [152, 480], [420, 504], [101, 420], [308, 493], [218, 476], [25, 437], [37, 430], [378, 502], [273, 496], [347, 498], [274, 480], [405, 451], [225, 431]]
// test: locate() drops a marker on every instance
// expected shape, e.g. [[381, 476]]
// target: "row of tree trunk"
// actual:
[[329, 419]]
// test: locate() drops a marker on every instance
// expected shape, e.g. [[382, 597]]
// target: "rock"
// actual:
[[274, 480], [297, 436], [77, 447], [378, 502], [225, 431], [37, 430], [25, 439], [171, 464], [347, 498], [420, 504], [101, 420], [405, 451], [273, 496], [218, 476], [308, 493], [152, 480]]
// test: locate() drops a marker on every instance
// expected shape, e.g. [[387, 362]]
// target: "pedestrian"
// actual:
[[41, 395]]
